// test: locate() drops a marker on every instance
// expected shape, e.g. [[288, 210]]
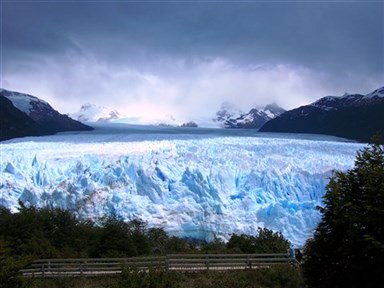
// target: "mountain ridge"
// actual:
[[352, 116], [43, 119], [254, 119], [15, 123], [93, 113]]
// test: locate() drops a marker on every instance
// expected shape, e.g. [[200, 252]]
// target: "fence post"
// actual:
[[249, 262], [81, 269], [43, 270], [49, 266], [207, 261], [166, 263]]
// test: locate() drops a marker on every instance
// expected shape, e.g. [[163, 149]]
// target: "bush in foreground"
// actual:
[[348, 245]]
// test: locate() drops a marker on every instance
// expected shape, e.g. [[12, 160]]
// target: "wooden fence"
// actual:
[[173, 262]]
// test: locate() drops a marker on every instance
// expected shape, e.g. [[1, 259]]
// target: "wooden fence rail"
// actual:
[[179, 262]]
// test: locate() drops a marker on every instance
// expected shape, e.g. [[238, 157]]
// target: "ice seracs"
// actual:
[[194, 186]]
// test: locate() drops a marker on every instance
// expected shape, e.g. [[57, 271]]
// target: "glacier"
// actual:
[[193, 182]]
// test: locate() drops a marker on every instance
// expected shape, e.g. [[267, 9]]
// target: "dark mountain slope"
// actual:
[[354, 116], [50, 120], [14, 123], [25, 115]]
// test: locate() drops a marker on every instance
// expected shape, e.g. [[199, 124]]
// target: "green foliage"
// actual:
[[266, 241], [348, 245], [139, 235], [56, 233], [158, 241], [279, 276], [43, 233], [73, 282], [10, 266], [114, 239], [135, 278], [216, 245]]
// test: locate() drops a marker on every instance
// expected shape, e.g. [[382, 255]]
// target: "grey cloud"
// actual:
[[340, 42], [312, 33]]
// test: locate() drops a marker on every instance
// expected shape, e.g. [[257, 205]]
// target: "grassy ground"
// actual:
[[277, 277]]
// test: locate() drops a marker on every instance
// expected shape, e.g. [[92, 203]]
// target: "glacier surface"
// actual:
[[192, 182]]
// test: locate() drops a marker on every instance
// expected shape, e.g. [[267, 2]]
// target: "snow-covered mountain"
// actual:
[[230, 117], [378, 93], [353, 116], [227, 112], [48, 119], [26, 103], [191, 185], [15, 123], [94, 113], [347, 100]]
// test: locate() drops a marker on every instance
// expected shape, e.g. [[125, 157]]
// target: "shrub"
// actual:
[[266, 241], [347, 249]]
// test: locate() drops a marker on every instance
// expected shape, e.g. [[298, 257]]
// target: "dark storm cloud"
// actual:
[[339, 35], [340, 41]]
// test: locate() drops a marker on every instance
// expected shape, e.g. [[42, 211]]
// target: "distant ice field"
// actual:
[[193, 182]]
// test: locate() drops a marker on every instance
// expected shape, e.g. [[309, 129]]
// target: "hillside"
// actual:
[[26, 115], [14, 123], [230, 117], [352, 116]]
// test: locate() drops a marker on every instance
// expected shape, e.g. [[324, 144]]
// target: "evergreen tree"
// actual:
[[347, 249]]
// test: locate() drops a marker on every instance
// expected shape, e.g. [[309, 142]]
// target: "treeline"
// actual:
[[37, 233], [57, 233]]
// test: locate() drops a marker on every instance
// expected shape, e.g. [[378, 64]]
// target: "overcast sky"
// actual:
[[187, 57]]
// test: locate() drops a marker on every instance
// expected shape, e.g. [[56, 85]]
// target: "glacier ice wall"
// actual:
[[192, 187]]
